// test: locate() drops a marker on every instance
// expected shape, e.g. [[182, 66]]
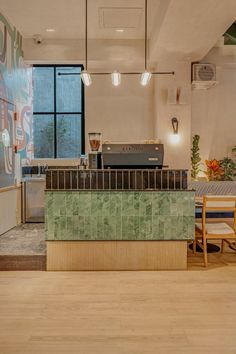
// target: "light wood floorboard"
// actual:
[[177, 312]]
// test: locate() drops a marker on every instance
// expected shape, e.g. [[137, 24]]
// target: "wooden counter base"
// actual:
[[116, 255]]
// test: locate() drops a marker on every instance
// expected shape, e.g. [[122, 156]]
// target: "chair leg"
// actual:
[[222, 246], [194, 246], [205, 251]]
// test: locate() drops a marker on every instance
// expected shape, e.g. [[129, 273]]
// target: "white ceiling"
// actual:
[[67, 17], [191, 28], [180, 29]]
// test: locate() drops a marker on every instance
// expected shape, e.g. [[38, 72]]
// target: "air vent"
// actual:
[[203, 76]]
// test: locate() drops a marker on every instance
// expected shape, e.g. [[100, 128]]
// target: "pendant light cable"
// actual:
[[85, 76], [116, 76], [145, 50], [146, 75], [86, 35]]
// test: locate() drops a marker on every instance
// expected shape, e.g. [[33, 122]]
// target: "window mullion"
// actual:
[[55, 115]]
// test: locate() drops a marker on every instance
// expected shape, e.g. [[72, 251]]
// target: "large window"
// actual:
[[58, 123]]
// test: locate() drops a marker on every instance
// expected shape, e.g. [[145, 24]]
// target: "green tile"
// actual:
[[165, 204], [155, 226], [81, 227], [106, 204], [119, 215], [69, 227], [93, 228], [59, 204], [128, 204], [115, 204], [155, 204], [75, 226], [87, 228], [100, 228], [142, 228], [118, 228], [85, 203], [75, 203], [109, 228], [131, 228], [136, 227], [145, 204], [69, 204]]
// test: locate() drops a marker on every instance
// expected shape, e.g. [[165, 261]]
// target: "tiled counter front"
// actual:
[[104, 215]]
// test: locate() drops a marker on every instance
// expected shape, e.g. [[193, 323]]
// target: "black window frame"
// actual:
[[55, 113]]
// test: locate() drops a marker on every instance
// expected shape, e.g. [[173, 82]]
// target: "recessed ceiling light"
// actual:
[[120, 30], [50, 30]]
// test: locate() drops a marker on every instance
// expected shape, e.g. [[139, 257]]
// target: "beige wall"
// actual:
[[214, 110], [123, 113], [102, 54], [176, 155]]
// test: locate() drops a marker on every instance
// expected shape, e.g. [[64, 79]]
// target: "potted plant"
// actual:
[[214, 170], [229, 167], [195, 157], [234, 150]]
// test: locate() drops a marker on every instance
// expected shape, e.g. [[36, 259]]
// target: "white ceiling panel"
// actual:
[[67, 17], [120, 17]]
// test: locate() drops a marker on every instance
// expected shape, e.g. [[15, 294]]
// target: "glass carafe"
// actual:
[[94, 141]]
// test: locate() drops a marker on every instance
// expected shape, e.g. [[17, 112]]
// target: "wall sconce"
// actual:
[[175, 125], [174, 137]]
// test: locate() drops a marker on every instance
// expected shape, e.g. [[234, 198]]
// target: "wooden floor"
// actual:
[[177, 312]]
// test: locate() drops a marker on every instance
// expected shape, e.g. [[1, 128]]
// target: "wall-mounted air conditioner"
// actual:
[[203, 76]]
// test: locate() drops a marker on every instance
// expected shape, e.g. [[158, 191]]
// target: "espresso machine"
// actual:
[[95, 156]]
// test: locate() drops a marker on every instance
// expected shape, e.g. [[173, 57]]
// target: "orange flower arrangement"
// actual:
[[214, 171]]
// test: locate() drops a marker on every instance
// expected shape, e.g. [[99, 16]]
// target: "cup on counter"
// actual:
[[83, 162]]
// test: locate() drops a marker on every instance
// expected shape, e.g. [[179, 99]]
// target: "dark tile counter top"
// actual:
[[116, 180]]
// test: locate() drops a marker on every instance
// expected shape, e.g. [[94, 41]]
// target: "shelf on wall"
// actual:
[[203, 85]]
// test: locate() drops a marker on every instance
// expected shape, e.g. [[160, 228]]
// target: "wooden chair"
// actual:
[[215, 230]]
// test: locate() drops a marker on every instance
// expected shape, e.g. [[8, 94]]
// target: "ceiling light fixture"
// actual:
[[146, 76], [50, 30], [116, 78], [85, 76]]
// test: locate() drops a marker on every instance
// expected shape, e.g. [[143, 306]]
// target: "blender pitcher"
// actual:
[[94, 141]]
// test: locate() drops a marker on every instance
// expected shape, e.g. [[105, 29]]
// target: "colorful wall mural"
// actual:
[[15, 103]]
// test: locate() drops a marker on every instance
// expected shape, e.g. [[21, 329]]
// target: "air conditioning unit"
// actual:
[[203, 76]]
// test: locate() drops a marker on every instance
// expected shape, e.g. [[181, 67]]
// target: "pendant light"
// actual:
[[146, 76], [116, 78], [85, 76], [116, 75]]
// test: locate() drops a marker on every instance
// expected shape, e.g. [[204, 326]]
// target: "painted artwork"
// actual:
[[15, 103]]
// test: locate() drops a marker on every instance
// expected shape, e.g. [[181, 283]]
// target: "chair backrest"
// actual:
[[219, 203]]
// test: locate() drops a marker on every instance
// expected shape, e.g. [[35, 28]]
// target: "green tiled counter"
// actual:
[[119, 215]]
